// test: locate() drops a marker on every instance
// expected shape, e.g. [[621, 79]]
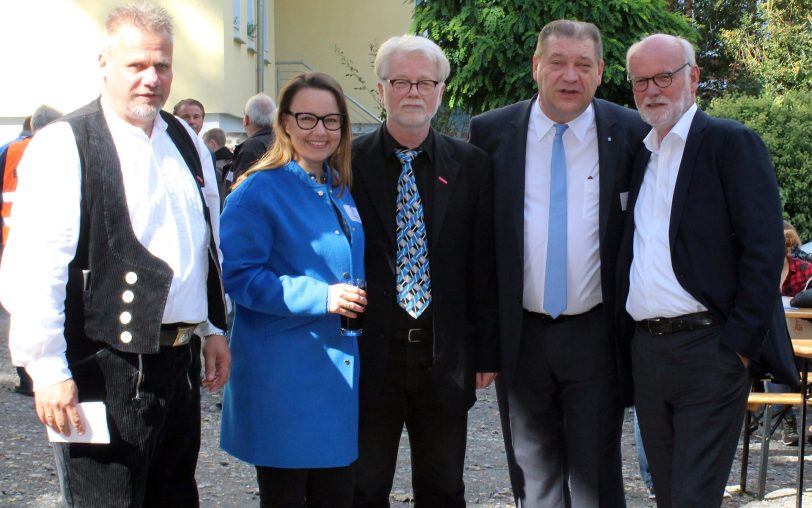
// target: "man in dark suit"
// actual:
[[699, 273], [426, 202], [563, 382]]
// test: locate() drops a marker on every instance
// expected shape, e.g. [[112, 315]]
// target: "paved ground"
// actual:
[[28, 478]]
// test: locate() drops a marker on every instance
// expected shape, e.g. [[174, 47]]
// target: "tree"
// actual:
[[490, 43], [775, 45]]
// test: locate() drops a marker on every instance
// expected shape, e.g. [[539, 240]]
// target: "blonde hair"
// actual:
[[281, 151]]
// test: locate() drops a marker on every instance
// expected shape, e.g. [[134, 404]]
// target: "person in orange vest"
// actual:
[[9, 159]]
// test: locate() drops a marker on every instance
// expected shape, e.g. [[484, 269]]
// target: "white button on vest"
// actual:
[[127, 296], [125, 318], [131, 277], [126, 337]]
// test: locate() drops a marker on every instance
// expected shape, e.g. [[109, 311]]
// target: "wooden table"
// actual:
[[802, 347]]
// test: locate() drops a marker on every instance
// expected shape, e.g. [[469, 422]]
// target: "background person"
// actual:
[[192, 112], [292, 238], [259, 115]]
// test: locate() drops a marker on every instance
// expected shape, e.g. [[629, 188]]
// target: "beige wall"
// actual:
[[305, 33]]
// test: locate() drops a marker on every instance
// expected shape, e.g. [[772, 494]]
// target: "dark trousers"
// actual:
[[153, 414], [561, 416], [305, 488], [690, 394], [437, 439]]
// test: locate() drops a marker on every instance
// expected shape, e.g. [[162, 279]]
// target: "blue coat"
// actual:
[[292, 398]]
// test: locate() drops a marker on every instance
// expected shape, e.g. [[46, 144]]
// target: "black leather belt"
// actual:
[[413, 335], [176, 334], [560, 319], [686, 323]]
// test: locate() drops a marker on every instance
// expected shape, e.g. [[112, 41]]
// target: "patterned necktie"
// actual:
[[413, 280], [555, 275]]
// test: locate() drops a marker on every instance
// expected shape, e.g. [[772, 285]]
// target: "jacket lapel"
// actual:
[[514, 155], [686, 168], [370, 166], [446, 172], [607, 162]]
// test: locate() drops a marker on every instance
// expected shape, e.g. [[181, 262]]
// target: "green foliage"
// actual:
[[360, 83], [775, 45], [490, 43], [785, 125]]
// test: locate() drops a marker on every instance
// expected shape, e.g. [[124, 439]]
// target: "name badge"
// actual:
[[352, 213]]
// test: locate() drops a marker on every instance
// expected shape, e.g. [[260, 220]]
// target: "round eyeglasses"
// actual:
[[404, 86], [662, 80], [308, 121]]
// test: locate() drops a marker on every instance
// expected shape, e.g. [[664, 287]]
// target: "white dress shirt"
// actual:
[[583, 192], [166, 215], [653, 287]]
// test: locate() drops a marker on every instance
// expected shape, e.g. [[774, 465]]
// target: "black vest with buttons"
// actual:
[[117, 289]]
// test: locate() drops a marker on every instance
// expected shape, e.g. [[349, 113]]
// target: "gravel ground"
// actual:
[[28, 477]]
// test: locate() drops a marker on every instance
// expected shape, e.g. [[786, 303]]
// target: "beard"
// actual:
[[144, 110], [667, 117]]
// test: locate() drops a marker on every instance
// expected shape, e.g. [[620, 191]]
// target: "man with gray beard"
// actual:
[[699, 272]]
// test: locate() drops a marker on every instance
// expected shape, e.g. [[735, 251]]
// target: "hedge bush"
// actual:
[[785, 124]]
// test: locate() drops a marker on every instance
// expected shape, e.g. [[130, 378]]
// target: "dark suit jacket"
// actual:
[[503, 134], [726, 236], [462, 267]]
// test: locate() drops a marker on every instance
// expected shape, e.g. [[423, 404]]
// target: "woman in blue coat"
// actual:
[[291, 239]]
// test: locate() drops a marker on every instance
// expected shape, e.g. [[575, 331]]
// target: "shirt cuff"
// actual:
[[48, 371], [205, 329]]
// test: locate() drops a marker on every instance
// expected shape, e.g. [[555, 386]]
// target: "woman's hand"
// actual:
[[346, 300]]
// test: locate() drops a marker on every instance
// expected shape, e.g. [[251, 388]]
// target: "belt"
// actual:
[[176, 334], [561, 318], [686, 323], [413, 335]]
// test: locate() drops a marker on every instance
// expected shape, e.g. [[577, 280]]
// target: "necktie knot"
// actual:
[[560, 128], [405, 155]]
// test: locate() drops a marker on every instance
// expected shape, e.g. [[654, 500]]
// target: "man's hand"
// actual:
[[217, 362], [744, 359], [57, 404], [484, 379]]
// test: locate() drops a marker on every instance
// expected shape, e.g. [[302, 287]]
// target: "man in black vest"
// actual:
[[113, 267]]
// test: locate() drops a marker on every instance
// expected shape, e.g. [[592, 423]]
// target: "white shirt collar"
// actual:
[[579, 125], [679, 130]]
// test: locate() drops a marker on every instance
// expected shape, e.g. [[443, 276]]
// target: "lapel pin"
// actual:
[[609, 138], [443, 180]]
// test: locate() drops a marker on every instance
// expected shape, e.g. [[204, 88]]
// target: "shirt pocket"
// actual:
[[591, 195]]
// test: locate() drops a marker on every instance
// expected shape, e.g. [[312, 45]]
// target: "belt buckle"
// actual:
[[661, 326], [416, 339], [184, 336]]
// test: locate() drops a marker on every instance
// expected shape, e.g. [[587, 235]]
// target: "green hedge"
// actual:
[[785, 125]]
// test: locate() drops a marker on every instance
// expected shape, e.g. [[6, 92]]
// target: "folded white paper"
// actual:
[[94, 418]]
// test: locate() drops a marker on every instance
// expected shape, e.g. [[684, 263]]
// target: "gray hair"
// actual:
[[43, 116], [687, 48], [260, 110], [145, 16], [411, 44], [570, 29], [217, 135]]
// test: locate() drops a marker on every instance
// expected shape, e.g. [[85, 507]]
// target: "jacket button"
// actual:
[[346, 362], [127, 296], [126, 337], [321, 193], [131, 277], [337, 232], [125, 318], [346, 275]]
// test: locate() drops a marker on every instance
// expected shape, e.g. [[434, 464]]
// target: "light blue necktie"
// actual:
[[555, 275], [413, 278]]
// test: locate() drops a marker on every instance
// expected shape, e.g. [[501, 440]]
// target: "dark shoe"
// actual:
[[24, 390], [789, 431]]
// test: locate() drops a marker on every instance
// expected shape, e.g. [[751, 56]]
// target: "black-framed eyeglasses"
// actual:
[[308, 121], [404, 86], [662, 80]]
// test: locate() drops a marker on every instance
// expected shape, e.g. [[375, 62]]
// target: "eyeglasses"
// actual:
[[404, 86], [308, 121], [662, 80]]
